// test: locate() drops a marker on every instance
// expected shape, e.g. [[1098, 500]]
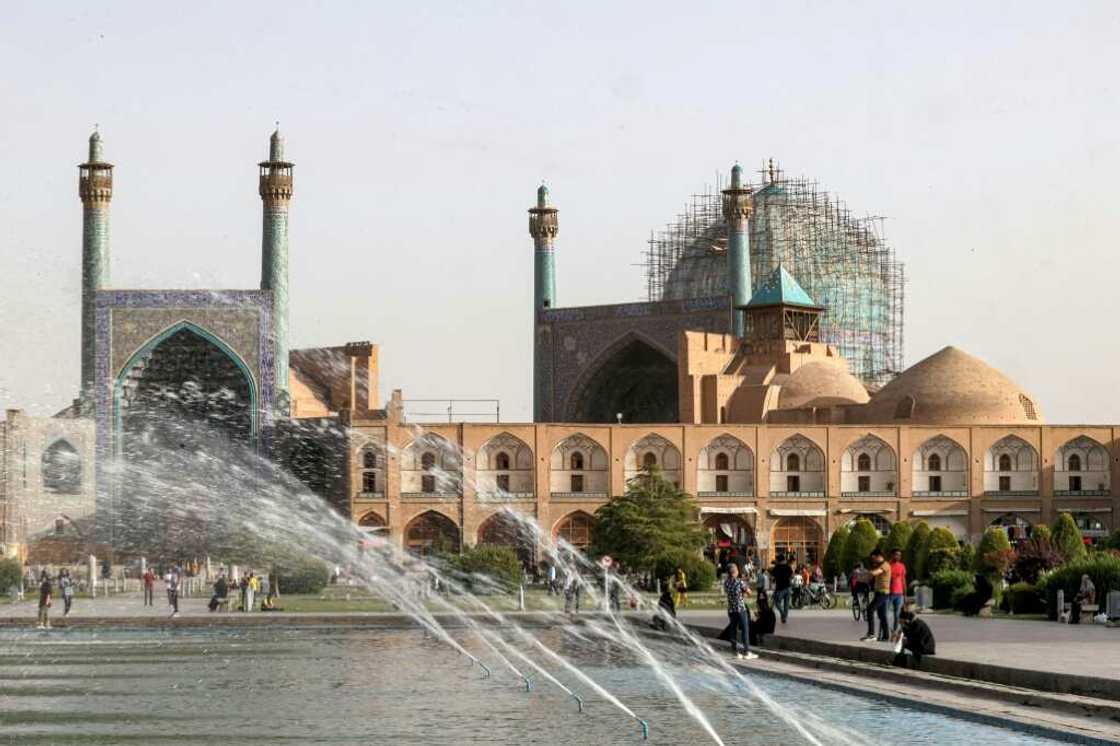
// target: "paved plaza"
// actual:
[[1084, 649]]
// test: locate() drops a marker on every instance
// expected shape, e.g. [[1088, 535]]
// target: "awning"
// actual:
[[779, 513], [868, 511], [728, 511], [1012, 509], [1086, 510], [935, 513]]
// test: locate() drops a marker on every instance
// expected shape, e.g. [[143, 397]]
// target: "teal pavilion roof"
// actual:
[[780, 289]]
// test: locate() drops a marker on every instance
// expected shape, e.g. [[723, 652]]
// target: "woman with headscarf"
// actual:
[[1086, 596], [764, 619]]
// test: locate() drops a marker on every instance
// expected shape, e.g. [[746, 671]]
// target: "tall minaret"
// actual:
[[543, 227], [737, 213], [276, 194], [95, 187]]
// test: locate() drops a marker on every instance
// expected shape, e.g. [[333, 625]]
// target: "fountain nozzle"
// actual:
[[645, 730]]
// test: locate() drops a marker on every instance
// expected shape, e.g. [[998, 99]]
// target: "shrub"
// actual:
[[834, 555], [1113, 541], [956, 599], [941, 551], [1034, 558], [1024, 598], [699, 572], [487, 567], [912, 555], [966, 560], [898, 537], [1103, 568], [1042, 531], [300, 575], [946, 583], [862, 539], [994, 541], [1067, 538], [10, 572]]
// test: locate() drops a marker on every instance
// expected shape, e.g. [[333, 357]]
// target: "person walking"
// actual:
[[782, 576], [149, 587], [251, 591], [898, 589], [553, 588], [881, 583], [173, 579], [571, 591], [738, 618], [66, 586], [45, 595], [680, 587]]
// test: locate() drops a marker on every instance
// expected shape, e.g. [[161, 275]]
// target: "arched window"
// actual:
[[649, 460], [501, 461], [1075, 462], [59, 526], [1004, 462], [793, 462], [369, 481], [369, 460], [428, 461], [722, 462], [62, 469], [575, 529], [904, 410], [577, 461], [935, 462], [863, 463], [1028, 408]]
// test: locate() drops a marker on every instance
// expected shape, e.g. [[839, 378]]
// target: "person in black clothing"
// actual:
[[917, 640], [221, 592], [782, 575], [764, 619], [973, 602], [45, 594], [665, 608]]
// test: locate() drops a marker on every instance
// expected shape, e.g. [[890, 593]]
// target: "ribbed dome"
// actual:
[[821, 385], [952, 387]]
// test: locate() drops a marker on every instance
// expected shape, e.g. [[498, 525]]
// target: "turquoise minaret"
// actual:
[[543, 227], [276, 194], [737, 213], [95, 187]]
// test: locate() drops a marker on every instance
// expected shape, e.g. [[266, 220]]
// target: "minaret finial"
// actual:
[[771, 170], [276, 145]]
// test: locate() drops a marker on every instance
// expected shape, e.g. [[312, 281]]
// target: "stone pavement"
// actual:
[[1084, 649]]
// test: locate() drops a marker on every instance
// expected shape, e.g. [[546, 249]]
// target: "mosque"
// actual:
[[764, 375]]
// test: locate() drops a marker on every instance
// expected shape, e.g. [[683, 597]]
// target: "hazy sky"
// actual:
[[988, 134]]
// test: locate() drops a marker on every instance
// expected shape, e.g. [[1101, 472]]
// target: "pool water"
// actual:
[[320, 685]]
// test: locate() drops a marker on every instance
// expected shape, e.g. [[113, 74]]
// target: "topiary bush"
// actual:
[[834, 555], [994, 541], [966, 560], [1067, 539], [862, 539], [10, 572], [1103, 568], [912, 555], [898, 538], [1024, 598], [699, 573], [1041, 531], [301, 575], [941, 551], [487, 567], [946, 583]]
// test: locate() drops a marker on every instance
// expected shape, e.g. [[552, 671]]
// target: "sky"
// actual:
[[986, 133]]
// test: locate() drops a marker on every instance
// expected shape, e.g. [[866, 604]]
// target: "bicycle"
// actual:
[[860, 602]]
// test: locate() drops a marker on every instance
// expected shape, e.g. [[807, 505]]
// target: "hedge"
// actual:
[[940, 552], [301, 575], [1067, 539], [994, 540], [945, 585], [699, 573], [898, 538], [834, 555], [10, 572], [487, 567], [1103, 568], [912, 555], [859, 544], [1024, 598]]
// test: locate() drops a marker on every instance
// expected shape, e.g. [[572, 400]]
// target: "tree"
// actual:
[[1067, 539], [862, 539], [940, 552], [913, 549], [898, 537], [653, 519], [1034, 558], [993, 543], [834, 555]]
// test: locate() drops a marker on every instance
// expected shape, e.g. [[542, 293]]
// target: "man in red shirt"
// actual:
[[149, 586], [898, 588]]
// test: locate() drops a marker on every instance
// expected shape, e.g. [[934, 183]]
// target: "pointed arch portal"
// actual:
[[635, 379]]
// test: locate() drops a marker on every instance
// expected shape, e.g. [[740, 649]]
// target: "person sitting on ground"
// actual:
[[221, 592], [764, 619], [665, 608], [973, 602], [917, 639], [1086, 596]]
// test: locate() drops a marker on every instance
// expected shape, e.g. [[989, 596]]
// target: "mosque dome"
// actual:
[[821, 385], [952, 387]]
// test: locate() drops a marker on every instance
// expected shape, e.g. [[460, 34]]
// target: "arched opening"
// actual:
[[863, 463], [504, 468], [579, 467], [62, 469], [372, 523], [430, 465], [369, 460], [1018, 528], [372, 478], [575, 529], [501, 461], [725, 466], [185, 391], [881, 524], [650, 451], [1004, 462], [804, 468], [431, 532], [428, 461], [502, 530], [793, 462], [649, 460], [940, 468], [722, 462], [799, 536], [868, 468], [635, 381], [935, 462], [1081, 467], [1010, 467], [729, 537], [1075, 463]]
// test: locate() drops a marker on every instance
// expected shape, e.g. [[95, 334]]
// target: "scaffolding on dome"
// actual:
[[844, 262]]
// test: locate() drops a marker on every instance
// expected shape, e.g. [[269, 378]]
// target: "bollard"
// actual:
[[657, 586], [521, 597], [579, 701], [606, 590], [645, 730]]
